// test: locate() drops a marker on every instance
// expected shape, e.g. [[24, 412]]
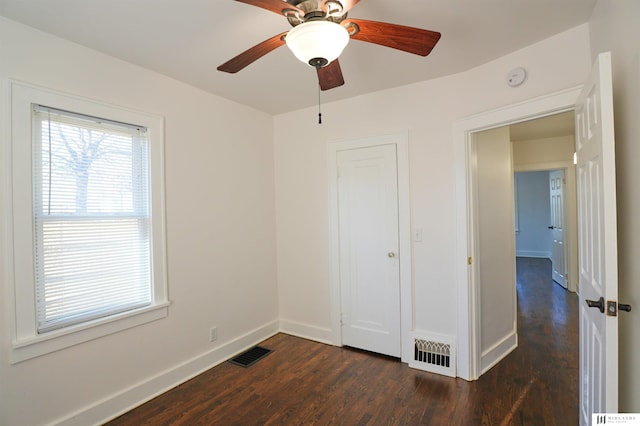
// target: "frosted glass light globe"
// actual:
[[317, 40]]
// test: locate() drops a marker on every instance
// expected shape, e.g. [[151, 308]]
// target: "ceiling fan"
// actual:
[[321, 30]]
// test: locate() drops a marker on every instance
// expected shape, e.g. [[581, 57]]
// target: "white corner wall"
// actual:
[[494, 250], [220, 221], [615, 27], [427, 110]]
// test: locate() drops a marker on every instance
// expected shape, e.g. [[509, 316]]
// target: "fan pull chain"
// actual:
[[319, 111]]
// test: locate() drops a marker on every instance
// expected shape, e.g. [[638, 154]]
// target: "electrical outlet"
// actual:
[[213, 334]]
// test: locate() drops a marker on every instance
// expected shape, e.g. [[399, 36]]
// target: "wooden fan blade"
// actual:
[[330, 76], [251, 55], [277, 6], [408, 39]]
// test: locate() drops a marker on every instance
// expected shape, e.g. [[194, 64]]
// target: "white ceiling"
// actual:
[[188, 39]]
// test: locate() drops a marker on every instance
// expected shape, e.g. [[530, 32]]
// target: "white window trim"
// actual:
[[26, 342]]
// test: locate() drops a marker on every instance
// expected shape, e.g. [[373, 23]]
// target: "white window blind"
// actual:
[[92, 224]]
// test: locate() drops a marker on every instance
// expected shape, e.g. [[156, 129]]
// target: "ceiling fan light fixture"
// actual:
[[315, 42]]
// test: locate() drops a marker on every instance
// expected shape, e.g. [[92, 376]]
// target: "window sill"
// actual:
[[34, 346]]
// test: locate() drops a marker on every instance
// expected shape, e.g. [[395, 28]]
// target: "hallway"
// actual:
[[304, 382], [548, 347]]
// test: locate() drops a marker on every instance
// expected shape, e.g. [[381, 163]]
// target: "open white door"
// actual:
[[556, 197], [597, 242]]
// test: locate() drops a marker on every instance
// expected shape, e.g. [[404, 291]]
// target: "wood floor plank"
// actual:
[[308, 383]]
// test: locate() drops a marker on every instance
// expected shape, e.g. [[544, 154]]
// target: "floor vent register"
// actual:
[[250, 357]]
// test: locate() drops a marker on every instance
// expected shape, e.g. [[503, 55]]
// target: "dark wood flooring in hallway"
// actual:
[[304, 382]]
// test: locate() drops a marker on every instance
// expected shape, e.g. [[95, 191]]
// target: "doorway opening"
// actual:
[[545, 194], [597, 251], [545, 221], [469, 320], [532, 214]]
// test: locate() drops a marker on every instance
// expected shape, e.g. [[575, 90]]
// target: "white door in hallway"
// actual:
[[556, 195], [368, 244], [597, 244]]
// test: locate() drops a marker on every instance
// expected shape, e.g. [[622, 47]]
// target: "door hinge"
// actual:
[[469, 260]]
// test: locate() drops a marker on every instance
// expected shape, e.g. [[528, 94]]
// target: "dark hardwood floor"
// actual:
[[303, 382]]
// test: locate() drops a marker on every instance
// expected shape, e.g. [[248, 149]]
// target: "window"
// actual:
[[91, 218], [89, 238]]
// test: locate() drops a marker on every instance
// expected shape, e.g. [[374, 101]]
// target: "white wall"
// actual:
[[546, 150], [533, 238], [615, 27], [427, 110], [220, 237], [495, 244]]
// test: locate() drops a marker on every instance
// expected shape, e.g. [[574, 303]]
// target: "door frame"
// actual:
[[468, 323], [401, 141]]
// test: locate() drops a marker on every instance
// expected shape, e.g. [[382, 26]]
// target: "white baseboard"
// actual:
[[121, 402], [306, 331], [497, 352]]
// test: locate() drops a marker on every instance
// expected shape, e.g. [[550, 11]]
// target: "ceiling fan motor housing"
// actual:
[[313, 10]]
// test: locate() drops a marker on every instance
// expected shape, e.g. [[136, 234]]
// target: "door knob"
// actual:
[[550, 227], [596, 304], [391, 254]]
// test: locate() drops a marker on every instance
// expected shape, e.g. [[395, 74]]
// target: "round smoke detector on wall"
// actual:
[[516, 76]]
